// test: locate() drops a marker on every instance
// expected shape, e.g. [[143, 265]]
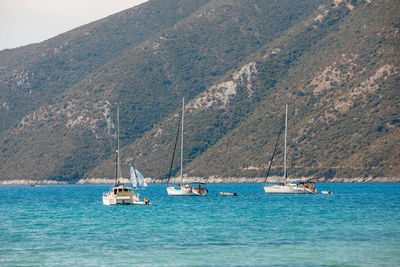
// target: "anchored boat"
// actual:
[[120, 194], [182, 189], [228, 194], [287, 188]]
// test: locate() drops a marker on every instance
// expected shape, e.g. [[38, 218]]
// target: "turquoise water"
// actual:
[[67, 225]]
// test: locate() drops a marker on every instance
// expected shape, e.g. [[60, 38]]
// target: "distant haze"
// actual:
[[24, 22]]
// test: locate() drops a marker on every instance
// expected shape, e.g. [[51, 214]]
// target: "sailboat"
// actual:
[[287, 188], [120, 194], [137, 179], [182, 189]]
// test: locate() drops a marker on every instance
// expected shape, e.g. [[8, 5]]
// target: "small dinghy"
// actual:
[[145, 201], [228, 194], [326, 192]]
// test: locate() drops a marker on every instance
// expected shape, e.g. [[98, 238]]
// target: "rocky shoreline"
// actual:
[[209, 180], [30, 182]]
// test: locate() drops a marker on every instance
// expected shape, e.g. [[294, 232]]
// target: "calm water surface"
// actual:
[[67, 225]]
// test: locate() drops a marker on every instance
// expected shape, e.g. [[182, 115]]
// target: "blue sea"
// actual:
[[67, 225]]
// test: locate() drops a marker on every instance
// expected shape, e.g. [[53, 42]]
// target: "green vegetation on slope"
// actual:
[[236, 63], [148, 79], [316, 67], [35, 75], [343, 101]]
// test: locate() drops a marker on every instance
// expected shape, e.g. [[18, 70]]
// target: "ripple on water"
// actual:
[[68, 225]]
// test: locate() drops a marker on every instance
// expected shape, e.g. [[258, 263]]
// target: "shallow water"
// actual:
[[67, 225]]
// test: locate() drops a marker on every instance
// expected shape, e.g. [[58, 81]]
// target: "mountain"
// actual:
[[336, 63], [37, 74]]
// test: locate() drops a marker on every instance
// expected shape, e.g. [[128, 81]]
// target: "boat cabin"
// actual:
[[121, 191]]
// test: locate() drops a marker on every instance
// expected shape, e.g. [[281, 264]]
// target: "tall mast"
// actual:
[[276, 145], [173, 154], [284, 162], [118, 157], [183, 110]]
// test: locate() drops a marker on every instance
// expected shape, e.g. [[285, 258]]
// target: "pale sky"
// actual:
[[24, 22]]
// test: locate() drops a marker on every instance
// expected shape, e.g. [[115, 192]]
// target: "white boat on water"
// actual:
[[182, 189], [187, 190], [120, 194], [137, 179], [287, 188]]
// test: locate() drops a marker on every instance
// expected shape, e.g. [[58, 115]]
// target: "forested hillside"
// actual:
[[237, 63], [34, 75]]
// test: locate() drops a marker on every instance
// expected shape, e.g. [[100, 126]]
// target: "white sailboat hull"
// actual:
[[286, 189], [180, 191], [186, 191]]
